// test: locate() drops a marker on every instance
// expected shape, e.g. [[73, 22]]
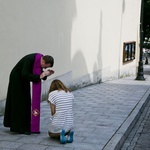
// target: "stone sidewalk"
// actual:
[[104, 115]]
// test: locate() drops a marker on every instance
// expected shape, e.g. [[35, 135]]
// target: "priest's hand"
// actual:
[[42, 75]]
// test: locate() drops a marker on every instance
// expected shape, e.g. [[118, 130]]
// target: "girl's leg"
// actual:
[[54, 135], [60, 136]]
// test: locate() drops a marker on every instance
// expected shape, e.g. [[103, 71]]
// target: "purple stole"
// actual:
[[36, 96]]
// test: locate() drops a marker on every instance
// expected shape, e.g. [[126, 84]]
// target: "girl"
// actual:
[[61, 105]]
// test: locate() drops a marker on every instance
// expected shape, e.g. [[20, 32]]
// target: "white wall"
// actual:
[[84, 36], [130, 32]]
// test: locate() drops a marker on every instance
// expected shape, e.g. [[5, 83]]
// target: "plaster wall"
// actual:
[[84, 36]]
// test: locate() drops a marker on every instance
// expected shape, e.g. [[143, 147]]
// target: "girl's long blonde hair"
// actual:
[[58, 85]]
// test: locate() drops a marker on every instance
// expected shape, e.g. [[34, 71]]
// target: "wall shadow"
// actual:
[[78, 61], [99, 55], [61, 17]]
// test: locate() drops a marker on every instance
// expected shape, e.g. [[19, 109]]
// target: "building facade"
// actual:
[[92, 41]]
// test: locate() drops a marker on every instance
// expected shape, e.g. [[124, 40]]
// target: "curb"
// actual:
[[117, 140]]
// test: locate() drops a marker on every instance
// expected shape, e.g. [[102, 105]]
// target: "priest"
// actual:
[[22, 109]]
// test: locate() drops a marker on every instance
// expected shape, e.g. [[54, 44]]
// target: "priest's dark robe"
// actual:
[[18, 101]]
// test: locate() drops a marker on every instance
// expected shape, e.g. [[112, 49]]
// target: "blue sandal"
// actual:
[[70, 137], [62, 137]]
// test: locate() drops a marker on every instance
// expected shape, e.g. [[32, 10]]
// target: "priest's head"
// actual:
[[47, 61]]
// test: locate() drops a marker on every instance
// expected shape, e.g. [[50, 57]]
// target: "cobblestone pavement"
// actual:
[[139, 138]]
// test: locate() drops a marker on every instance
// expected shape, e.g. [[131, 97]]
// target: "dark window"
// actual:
[[128, 51]]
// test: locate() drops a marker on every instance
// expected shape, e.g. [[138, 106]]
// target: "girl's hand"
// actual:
[[48, 72], [51, 72]]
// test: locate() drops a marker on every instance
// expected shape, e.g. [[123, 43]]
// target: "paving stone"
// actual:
[[100, 111], [10, 145], [32, 147]]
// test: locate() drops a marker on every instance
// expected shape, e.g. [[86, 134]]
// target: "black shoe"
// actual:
[[27, 133], [36, 132]]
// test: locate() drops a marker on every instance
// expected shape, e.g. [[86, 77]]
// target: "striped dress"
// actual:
[[63, 118]]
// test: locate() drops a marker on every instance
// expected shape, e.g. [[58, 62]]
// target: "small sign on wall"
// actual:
[[129, 51]]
